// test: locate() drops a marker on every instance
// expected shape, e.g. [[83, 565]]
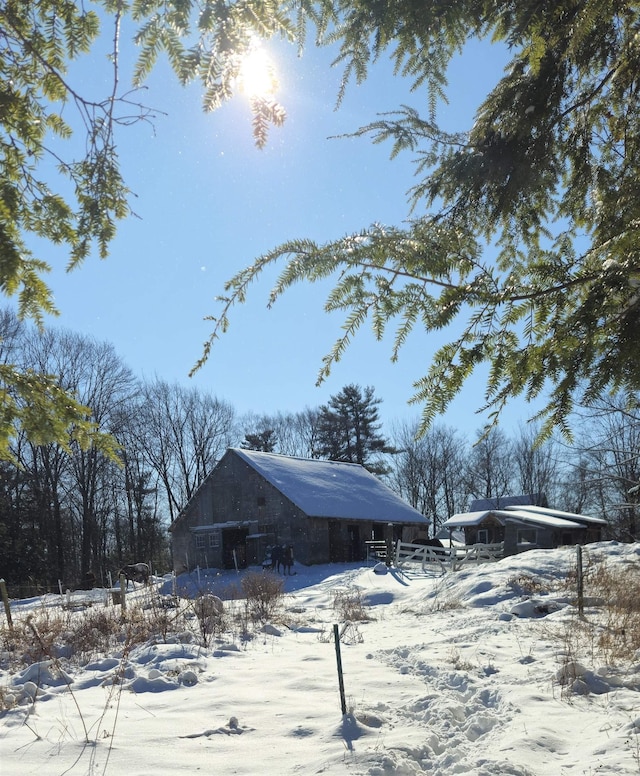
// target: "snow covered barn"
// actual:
[[327, 510], [525, 526]]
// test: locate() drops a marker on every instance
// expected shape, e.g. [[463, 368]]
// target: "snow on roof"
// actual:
[[470, 518], [552, 518], [551, 521], [558, 513], [331, 489], [217, 526]]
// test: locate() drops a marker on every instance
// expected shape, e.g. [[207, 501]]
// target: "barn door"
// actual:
[[355, 548], [234, 540], [336, 542]]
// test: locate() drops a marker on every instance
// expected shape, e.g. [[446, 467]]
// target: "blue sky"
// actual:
[[208, 202]]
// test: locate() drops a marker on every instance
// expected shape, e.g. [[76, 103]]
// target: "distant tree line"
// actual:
[[441, 472], [67, 512]]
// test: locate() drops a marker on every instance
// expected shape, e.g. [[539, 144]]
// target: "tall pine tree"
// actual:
[[264, 441], [349, 429]]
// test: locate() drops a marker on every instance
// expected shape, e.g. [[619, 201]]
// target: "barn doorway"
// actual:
[[234, 548], [336, 542], [355, 546]]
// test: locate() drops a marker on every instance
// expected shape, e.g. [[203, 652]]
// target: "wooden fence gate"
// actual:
[[447, 558]]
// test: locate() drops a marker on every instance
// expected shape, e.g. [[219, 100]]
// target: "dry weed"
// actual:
[[457, 661], [349, 606], [618, 592], [526, 585], [264, 594]]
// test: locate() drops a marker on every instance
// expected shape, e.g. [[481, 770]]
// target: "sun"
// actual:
[[256, 76]]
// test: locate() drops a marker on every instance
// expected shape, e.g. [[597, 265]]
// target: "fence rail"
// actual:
[[447, 558]]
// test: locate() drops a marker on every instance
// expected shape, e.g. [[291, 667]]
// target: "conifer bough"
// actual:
[[525, 225], [527, 235]]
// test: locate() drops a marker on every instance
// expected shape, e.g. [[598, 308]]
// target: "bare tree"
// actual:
[[538, 469], [578, 490], [103, 382], [298, 432], [429, 471], [490, 470], [293, 433], [32, 518], [139, 514], [185, 434], [608, 450], [70, 482]]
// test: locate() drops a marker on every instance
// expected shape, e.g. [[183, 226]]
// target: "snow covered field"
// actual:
[[466, 673]]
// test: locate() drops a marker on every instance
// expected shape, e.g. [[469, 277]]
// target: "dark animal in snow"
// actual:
[[276, 557], [429, 542], [135, 572], [287, 560]]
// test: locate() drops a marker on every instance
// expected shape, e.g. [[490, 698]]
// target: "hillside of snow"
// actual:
[[480, 671]]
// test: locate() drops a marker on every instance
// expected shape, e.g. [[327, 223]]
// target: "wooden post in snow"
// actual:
[[580, 580], [389, 544], [123, 594], [5, 601], [336, 637]]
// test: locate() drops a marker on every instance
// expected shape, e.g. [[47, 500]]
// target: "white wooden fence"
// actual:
[[446, 558]]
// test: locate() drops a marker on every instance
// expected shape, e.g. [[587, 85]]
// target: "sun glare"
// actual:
[[257, 77]]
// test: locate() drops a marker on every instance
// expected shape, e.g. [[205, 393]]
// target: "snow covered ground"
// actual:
[[473, 672]]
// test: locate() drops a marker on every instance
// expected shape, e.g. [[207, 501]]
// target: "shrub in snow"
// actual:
[[263, 593]]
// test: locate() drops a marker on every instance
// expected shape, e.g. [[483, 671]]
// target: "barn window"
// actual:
[[214, 539], [261, 501], [200, 545], [483, 536]]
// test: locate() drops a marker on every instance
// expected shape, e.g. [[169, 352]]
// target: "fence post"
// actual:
[[580, 580], [389, 543], [5, 601], [123, 594], [336, 638]]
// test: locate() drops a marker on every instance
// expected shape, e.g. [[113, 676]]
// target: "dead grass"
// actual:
[[264, 596], [616, 593], [349, 606], [212, 617], [67, 637], [456, 660], [608, 631], [525, 584]]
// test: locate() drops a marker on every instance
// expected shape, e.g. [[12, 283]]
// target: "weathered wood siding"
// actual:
[[237, 513], [495, 532], [236, 493], [546, 538]]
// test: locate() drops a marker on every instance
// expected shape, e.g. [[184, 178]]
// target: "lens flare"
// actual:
[[257, 77]]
